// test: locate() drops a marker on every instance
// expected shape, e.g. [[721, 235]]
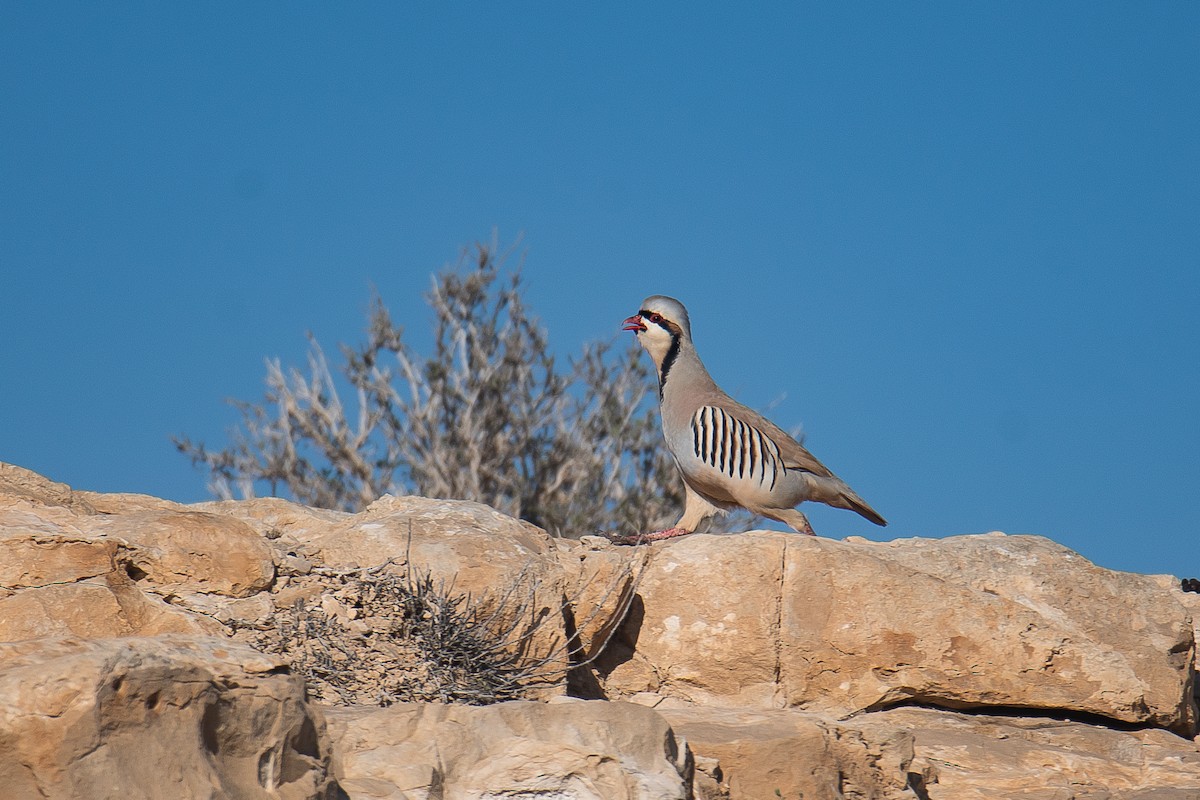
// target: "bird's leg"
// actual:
[[792, 518], [696, 509], [645, 538]]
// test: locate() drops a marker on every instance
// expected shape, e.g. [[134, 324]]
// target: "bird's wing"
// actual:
[[793, 454]]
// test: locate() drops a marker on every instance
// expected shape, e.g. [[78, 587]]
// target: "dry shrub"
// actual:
[[490, 416], [388, 634], [378, 638]]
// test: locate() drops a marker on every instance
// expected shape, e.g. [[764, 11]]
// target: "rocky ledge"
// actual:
[[260, 649]]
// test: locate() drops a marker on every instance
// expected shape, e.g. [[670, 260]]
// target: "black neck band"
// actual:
[[668, 361]]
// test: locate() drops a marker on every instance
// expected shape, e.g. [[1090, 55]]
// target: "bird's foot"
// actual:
[[645, 538]]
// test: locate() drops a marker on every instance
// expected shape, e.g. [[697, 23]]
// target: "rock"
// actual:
[[771, 620], [1136, 615], [55, 581], [469, 548], [40, 552], [478, 548], [21, 487], [982, 757], [200, 551], [126, 502], [576, 750], [770, 754], [341, 589], [705, 628], [929, 754], [93, 609], [601, 587], [276, 518], [1190, 601], [807, 666], [173, 716]]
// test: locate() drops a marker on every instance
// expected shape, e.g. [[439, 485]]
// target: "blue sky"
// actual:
[[961, 240]]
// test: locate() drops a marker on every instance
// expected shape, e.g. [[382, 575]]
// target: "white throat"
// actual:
[[657, 345]]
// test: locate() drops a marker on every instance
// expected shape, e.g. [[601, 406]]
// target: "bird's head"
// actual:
[[660, 325]]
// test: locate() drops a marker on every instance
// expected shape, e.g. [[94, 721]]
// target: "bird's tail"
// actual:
[[842, 496], [856, 504], [832, 491]]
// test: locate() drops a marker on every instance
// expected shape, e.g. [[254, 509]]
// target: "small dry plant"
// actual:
[[379, 638], [386, 634]]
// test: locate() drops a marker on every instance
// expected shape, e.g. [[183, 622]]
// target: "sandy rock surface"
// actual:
[[770, 620], [757, 665], [580, 750], [155, 717]]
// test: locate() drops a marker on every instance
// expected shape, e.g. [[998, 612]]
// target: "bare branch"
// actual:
[[489, 416]]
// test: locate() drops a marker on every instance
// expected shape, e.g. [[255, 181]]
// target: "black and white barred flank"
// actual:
[[734, 447]]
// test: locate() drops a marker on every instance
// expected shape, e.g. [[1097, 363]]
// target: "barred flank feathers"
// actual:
[[735, 447]]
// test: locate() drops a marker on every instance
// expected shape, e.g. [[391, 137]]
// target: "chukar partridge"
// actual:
[[727, 455]]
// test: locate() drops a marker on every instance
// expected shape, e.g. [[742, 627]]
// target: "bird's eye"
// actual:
[[656, 318]]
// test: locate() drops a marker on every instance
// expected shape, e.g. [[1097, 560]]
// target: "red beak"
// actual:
[[634, 323]]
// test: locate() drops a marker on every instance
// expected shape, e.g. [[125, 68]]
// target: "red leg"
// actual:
[[645, 538]]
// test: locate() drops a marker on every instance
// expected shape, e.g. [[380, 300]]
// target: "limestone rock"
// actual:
[[55, 581], [40, 551], [822, 668], [126, 502], [980, 757], [93, 609], [930, 754], [578, 750], [1190, 601], [203, 552], [21, 487], [143, 718], [774, 620], [276, 518], [766, 754], [478, 547], [601, 586], [1138, 615], [705, 628], [341, 583], [470, 548]]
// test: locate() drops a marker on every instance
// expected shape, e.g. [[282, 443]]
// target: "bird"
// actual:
[[727, 455]]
